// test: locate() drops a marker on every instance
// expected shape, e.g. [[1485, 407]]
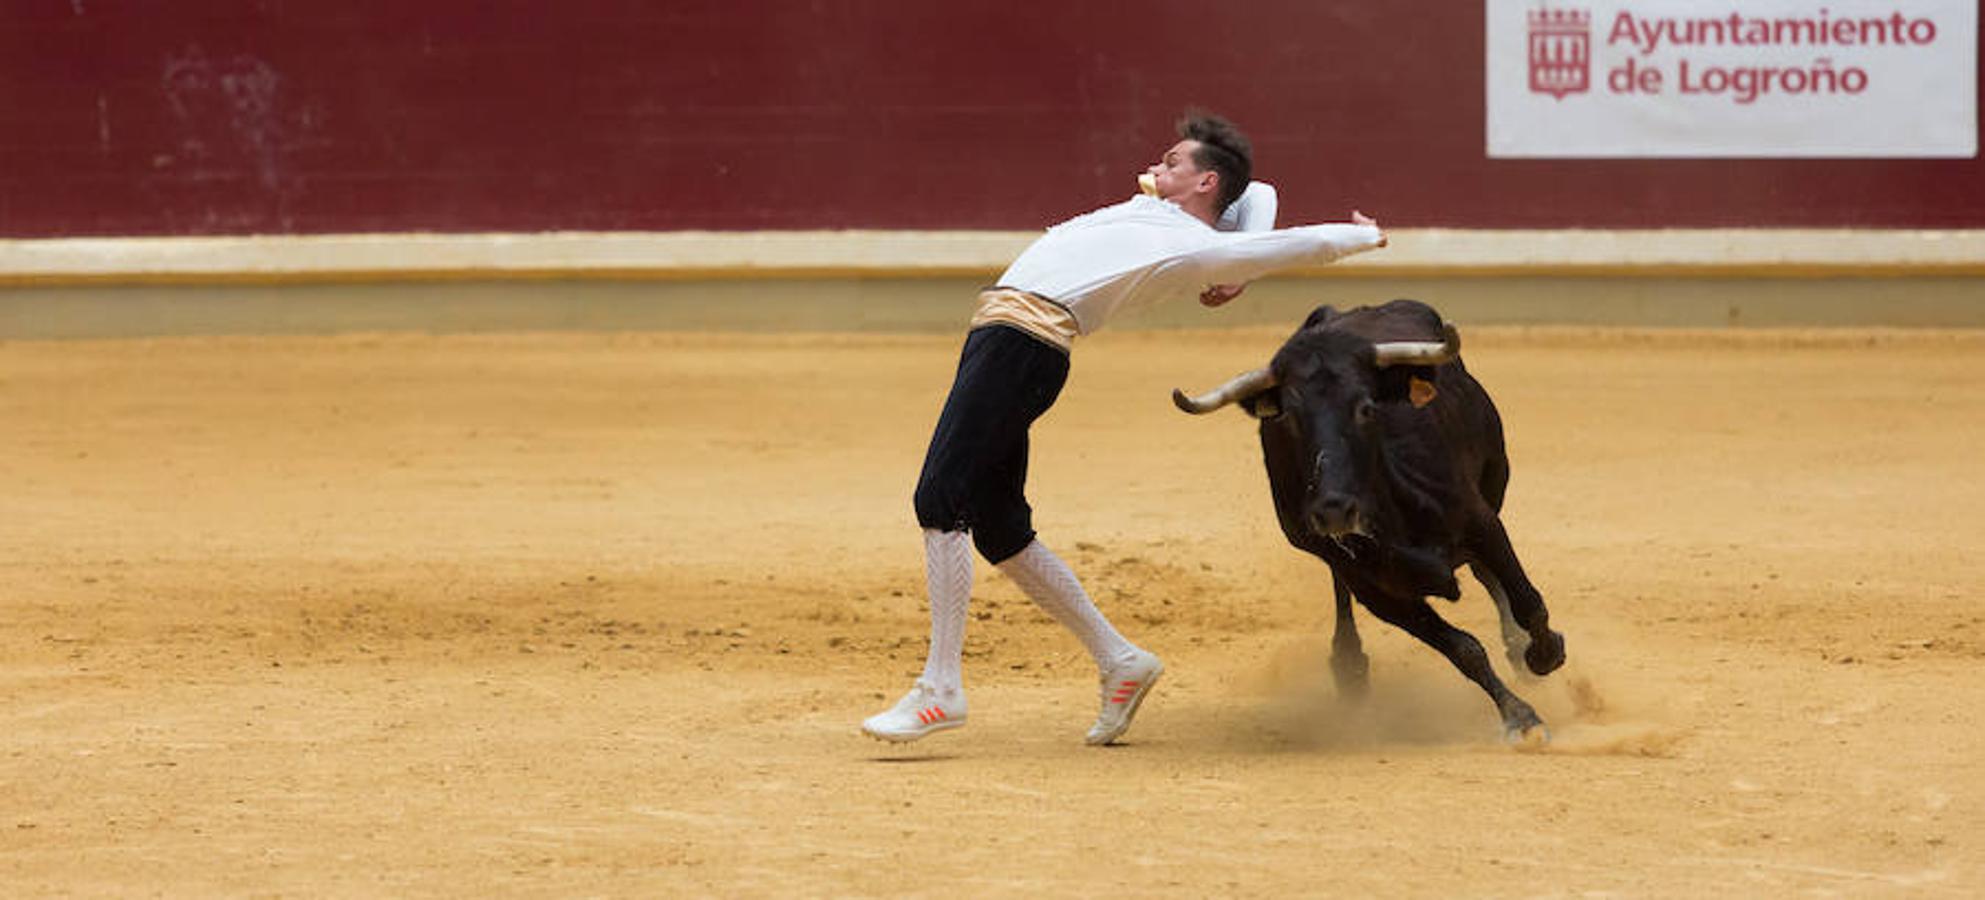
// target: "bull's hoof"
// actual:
[[1533, 735], [1546, 654], [1352, 674], [1521, 727]]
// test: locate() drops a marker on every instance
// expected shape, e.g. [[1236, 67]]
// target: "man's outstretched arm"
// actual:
[[1233, 264]]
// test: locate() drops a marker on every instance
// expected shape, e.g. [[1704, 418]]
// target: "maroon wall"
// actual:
[[230, 116]]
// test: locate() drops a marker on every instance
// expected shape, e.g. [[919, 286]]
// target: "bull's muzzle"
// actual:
[[1336, 515]]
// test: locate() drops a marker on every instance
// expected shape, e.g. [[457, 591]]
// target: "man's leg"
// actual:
[[937, 701], [948, 580], [1049, 583], [1126, 671], [1004, 532], [974, 415]]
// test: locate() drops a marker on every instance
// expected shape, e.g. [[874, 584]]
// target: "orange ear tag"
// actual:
[[1421, 392]]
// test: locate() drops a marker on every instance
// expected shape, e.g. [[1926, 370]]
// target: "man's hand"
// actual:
[[1220, 294], [1358, 218]]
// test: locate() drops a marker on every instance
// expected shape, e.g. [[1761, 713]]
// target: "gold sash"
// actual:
[[1034, 315]]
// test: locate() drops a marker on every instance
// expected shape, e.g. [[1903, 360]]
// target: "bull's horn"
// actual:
[[1420, 353], [1243, 385]]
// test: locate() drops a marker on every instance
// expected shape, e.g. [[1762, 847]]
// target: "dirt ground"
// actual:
[[598, 614]]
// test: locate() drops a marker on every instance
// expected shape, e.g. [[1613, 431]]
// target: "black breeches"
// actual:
[[975, 473]]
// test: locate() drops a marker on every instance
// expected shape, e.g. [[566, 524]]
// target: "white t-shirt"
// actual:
[[1145, 250]]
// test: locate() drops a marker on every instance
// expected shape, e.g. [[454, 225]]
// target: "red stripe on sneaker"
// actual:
[[939, 710]]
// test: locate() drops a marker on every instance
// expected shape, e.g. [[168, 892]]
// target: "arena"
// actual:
[[457, 449], [598, 613]]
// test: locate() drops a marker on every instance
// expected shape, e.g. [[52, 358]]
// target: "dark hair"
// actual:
[[1222, 149]]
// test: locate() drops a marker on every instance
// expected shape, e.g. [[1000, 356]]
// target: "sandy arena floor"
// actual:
[[562, 615]]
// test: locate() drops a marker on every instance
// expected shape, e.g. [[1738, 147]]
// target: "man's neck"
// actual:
[[1201, 208]]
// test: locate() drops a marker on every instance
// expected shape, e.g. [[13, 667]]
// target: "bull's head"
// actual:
[[1320, 405]]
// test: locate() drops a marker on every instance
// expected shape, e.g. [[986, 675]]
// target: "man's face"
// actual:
[[1178, 177]]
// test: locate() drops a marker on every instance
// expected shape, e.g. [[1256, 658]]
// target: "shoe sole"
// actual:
[[1130, 713], [906, 737]]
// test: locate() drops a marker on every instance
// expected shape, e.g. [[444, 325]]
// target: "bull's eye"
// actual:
[[1366, 412]]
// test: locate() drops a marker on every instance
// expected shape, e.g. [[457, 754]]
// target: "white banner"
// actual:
[[1737, 78]]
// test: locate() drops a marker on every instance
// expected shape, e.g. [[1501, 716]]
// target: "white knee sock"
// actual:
[[948, 578], [1049, 583]]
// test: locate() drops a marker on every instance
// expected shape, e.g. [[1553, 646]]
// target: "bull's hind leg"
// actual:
[[1516, 641], [1348, 662], [1526, 606], [1419, 620]]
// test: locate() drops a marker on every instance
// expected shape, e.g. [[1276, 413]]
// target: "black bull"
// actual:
[[1386, 460]]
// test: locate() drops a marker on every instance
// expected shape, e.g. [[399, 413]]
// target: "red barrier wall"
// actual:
[[284, 116]]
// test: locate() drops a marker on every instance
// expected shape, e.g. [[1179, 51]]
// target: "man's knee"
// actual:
[[938, 508], [999, 542]]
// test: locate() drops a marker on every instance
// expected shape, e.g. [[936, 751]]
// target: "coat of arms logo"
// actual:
[[1560, 51]]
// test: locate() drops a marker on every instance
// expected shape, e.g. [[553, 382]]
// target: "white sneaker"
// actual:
[[922, 711], [1124, 687]]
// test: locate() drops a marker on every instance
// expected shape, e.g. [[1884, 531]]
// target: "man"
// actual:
[[1160, 244]]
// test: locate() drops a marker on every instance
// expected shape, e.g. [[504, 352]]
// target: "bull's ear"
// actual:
[[1420, 391], [1319, 316], [1411, 384], [1264, 405]]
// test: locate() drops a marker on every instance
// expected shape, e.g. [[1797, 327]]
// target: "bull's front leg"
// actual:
[[1516, 641], [1520, 722], [1546, 651], [1348, 663]]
